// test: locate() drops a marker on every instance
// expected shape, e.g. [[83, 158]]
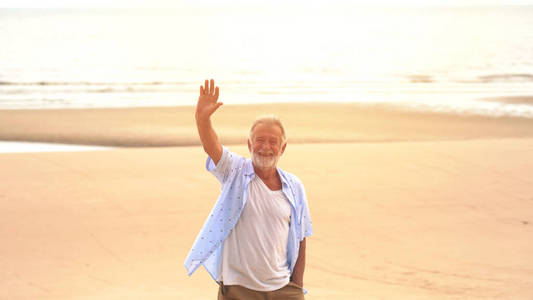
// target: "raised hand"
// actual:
[[207, 102]]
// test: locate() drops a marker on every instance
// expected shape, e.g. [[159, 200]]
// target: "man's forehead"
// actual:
[[267, 130]]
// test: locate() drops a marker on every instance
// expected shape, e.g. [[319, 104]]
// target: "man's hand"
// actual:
[[207, 102], [207, 105]]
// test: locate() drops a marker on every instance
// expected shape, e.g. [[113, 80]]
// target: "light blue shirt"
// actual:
[[234, 173]]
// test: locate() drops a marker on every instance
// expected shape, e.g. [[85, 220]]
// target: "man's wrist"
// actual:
[[202, 119], [298, 282]]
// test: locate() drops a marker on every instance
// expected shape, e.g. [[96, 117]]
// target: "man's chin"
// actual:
[[262, 164]]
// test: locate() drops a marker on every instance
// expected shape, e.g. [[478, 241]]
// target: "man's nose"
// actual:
[[266, 147]]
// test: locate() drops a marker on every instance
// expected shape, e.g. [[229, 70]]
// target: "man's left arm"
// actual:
[[298, 272]]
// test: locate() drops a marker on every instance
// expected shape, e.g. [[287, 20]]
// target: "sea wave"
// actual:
[[509, 77], [487, 78], [94, 83], [422, 78]]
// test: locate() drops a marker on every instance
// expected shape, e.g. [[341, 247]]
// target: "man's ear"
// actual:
[[249, 146], [283, 148]]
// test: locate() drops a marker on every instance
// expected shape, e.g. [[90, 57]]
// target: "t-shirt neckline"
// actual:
[[273, 191]]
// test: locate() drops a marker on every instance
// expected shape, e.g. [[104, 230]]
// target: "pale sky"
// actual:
[[219, 3]]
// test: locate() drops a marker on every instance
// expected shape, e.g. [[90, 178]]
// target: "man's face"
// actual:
[[265, 146]]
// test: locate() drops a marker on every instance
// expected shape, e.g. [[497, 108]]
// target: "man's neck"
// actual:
[[266, 174]]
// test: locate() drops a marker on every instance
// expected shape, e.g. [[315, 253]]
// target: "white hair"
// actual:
[[269, 120]]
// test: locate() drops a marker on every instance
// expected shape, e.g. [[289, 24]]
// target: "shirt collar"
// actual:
[[285, 186]]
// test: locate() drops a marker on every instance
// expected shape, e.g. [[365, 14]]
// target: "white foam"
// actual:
[[23, 147]]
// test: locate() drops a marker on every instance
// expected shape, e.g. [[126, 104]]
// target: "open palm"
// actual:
[[207, 102]]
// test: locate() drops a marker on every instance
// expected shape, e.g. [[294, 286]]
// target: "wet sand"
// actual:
[[306, 123]]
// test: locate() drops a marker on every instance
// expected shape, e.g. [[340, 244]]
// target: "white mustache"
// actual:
[[265, 152]]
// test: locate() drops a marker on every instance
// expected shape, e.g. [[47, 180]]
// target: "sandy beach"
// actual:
[[405, 205]]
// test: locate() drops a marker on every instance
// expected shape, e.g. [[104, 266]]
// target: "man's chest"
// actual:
[[273, 184], [266, 205]]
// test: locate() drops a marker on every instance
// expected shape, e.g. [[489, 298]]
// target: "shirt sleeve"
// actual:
[[226, 166]]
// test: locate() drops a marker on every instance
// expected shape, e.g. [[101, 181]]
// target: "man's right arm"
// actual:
[[207, 105]]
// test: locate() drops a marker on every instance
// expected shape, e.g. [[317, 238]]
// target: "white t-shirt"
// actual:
[[255, 253]]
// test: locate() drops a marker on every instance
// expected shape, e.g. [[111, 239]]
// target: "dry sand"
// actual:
[[436, 218]]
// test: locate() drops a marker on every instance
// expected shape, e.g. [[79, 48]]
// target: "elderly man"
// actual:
[[253, 241]]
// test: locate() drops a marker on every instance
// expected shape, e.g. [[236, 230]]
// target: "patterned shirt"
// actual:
[[234, 173]]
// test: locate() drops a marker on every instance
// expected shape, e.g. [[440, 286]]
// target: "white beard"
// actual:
[[264, 162]]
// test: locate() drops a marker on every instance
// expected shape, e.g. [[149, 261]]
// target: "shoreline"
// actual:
[[31, 147], [9, 147], [304, 122]]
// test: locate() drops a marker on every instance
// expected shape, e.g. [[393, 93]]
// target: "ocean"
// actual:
[[452, 59]]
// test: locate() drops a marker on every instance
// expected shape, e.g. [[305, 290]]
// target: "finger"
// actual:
[[216, 93], [219, 104], [212, 87], [206, 88], [201, 90]]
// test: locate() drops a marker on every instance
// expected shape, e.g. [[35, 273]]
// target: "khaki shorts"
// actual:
[[291, 291]]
